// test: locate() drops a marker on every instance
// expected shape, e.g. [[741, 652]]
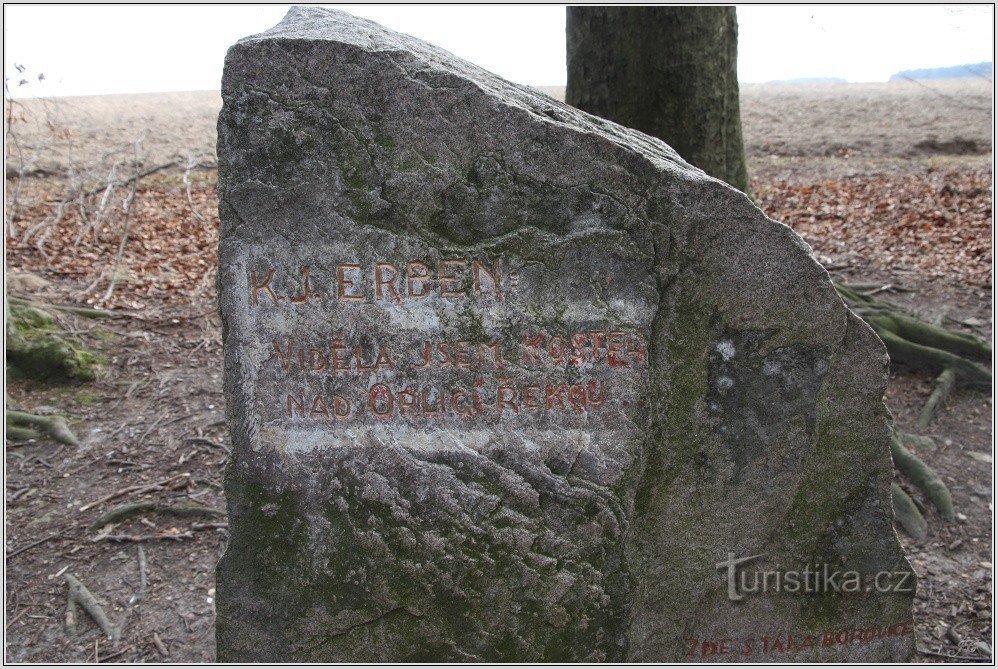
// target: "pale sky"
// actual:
[[89, 50]]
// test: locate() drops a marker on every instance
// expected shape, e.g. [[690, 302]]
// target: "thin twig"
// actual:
[[133, 489], [54, 221], [160, 646], [137, 538], [115, 654], [207, 442], [33, 544], [94, 222], [191, 164], [11, 140], [133, 178], [888, 286], [152, 427], [127, 206], [138, 596]]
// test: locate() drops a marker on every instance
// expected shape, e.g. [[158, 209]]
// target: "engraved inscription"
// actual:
[[453, 278], [349, 364]]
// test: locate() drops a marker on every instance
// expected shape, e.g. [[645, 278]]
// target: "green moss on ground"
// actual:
[[37, 348], [86, 397]]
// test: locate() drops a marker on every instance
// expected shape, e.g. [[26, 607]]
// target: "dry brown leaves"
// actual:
[[169, 255], [937, 223]]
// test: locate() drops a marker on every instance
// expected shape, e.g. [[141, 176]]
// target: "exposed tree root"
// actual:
[[125, 511], [943, 386], [907, 514], [926, 334], [80, 596], [916, 343], [947, 354], [922, 476], [935, 360], [85, 312], [18, 433], [37, 348], [917, 441], [20, 424]]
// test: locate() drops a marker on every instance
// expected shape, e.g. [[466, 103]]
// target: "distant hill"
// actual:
[[812, 80], [984, 69]]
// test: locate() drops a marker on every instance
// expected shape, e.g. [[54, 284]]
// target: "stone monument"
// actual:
[[509, 382]]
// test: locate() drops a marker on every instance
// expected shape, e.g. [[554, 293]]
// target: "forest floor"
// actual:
[[916, 222]]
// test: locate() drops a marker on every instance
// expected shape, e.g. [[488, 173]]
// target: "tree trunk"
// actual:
[[670, 72]]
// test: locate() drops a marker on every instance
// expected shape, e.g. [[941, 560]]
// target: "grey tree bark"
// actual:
[[670, 72]]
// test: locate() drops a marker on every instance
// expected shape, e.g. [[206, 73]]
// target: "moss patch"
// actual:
[[37, 348], [86, 397]]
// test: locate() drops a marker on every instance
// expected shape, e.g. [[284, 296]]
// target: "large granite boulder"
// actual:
[[509, 382]]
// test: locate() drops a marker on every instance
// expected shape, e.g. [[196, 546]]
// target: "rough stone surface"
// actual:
[[561, 375]]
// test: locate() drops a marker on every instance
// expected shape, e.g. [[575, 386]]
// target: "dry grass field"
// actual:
[[891, 184], [781, 122]]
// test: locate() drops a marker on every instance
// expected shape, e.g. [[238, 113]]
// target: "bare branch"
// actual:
[[94, 223], [191, 164], [126, 205]]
